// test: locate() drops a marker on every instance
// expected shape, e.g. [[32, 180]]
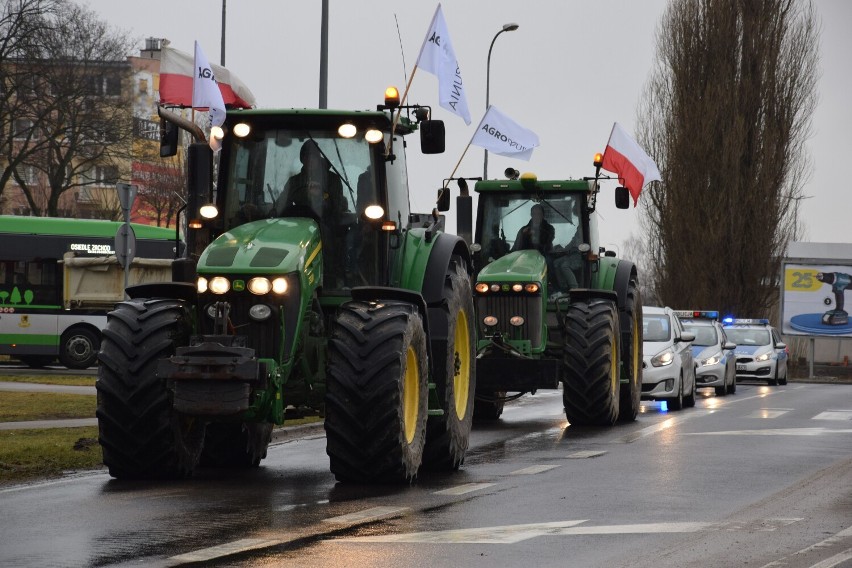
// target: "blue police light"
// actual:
[[728, 320]]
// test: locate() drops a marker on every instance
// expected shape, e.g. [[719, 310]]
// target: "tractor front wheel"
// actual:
[[139, 433], [376, 392], [591, 353], [453, 351]]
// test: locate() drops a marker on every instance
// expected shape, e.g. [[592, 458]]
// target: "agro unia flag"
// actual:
[[205, 90], [624, 157], [501, 135], [438, 57]]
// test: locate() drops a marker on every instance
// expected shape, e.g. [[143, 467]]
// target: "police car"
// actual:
[[668, 368], [761, 355], [712, 351]]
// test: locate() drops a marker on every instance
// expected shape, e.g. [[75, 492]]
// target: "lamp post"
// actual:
[[506, 28]]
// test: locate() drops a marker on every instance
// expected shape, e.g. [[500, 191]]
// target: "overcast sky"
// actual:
[[569, 71]]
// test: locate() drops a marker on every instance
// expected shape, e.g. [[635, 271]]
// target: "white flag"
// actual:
[[501, 135], [205, 90], [437, 57]]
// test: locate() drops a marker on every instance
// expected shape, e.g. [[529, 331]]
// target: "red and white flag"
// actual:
[[624, 157], [438, 57], [176, 81]]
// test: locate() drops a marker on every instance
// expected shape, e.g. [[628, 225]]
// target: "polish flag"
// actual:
[[176, 81], [624, 157]]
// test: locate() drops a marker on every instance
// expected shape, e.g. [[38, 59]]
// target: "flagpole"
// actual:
[[399, 110]]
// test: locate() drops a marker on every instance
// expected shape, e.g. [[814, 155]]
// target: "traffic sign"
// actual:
[[126, 196], [125, 244]]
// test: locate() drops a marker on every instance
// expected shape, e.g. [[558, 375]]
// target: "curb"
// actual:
[[302, 431]]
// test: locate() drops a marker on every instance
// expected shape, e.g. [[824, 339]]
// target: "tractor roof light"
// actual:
[[391, 97], [598, 161], [374, 212], [529, 181], [241, 130], [347, 130], [374, 135], [209, 211]]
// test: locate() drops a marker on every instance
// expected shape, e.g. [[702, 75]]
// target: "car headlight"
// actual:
[[764, 357], [712, 360], [663, 358]]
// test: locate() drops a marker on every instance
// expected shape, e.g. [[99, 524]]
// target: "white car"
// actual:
[[668, 368], [761, 355], [712, 350]]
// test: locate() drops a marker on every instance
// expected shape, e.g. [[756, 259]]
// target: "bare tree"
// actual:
[[161, 186], [82, 119], [22, 23], [726, 114]]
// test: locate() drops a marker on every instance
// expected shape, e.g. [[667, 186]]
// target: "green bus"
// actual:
[[44, 314]]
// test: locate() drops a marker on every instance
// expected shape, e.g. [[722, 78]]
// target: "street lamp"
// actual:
[[506, 28]]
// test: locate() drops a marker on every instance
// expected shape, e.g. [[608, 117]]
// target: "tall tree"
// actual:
[[726, 115], [81, 115]]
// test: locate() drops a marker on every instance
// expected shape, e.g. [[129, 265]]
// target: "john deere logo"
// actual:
[[239, 285], [25, 321]]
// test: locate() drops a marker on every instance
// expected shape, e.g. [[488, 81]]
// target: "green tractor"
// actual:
[[313, 291], [552, 306]]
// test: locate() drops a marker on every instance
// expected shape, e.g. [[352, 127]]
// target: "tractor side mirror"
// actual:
[[432, 136], [443, 203], [168, 138], [622, 197]]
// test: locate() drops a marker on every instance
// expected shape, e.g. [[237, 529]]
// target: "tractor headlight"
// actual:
[[495, 287], [211, 311], [259, 285], [279, 285], [219, 285], [201, 285], [663, 358], [260, 312], [482, 287], [517, 287], [489, 321], [532, 288], [516, 321]]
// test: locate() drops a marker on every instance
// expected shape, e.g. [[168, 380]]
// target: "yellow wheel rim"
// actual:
[[411, 394], [635, 354], [613, 366], [461, 364]]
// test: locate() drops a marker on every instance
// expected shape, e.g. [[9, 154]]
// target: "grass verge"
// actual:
[[72, 380], [27, 455], [21, 406]]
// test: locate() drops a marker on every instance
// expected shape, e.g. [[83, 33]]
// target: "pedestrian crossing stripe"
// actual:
[[772, 432]]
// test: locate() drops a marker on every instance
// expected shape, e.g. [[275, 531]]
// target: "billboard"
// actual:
[[817, 282]]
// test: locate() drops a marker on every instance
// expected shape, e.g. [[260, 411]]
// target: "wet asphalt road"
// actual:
[[761, 478]]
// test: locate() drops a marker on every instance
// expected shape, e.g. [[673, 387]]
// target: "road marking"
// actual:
[[834, 415], [462, 489], [227, 549], [583, 454], [368, 515], [533, 469], [510, 534], [772, 432], [835, 560], [768, 413]]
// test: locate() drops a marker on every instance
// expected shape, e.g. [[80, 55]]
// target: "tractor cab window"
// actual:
[[549, 224], [308, 173]]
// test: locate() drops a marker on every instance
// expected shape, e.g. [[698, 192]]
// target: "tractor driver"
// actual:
[[538, 234]]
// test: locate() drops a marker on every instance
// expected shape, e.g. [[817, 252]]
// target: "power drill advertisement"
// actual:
[[814, 300]]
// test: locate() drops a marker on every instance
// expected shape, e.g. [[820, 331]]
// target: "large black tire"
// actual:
[[591, 357], [676, 403], [236, 444], [376, 393], [630, 318], [78, 348], [454, 373], [139, 433], [489, 406]]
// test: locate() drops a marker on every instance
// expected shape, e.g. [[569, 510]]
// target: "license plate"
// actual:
[[741, 367]]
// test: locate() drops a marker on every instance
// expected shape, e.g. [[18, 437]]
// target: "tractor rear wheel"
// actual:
[[139, 433], [236, 444], [453, 351], [376, 392], [631, 355], [591, 356]]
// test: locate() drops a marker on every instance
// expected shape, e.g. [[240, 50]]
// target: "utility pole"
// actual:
[[323, 82], [222, 56]]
